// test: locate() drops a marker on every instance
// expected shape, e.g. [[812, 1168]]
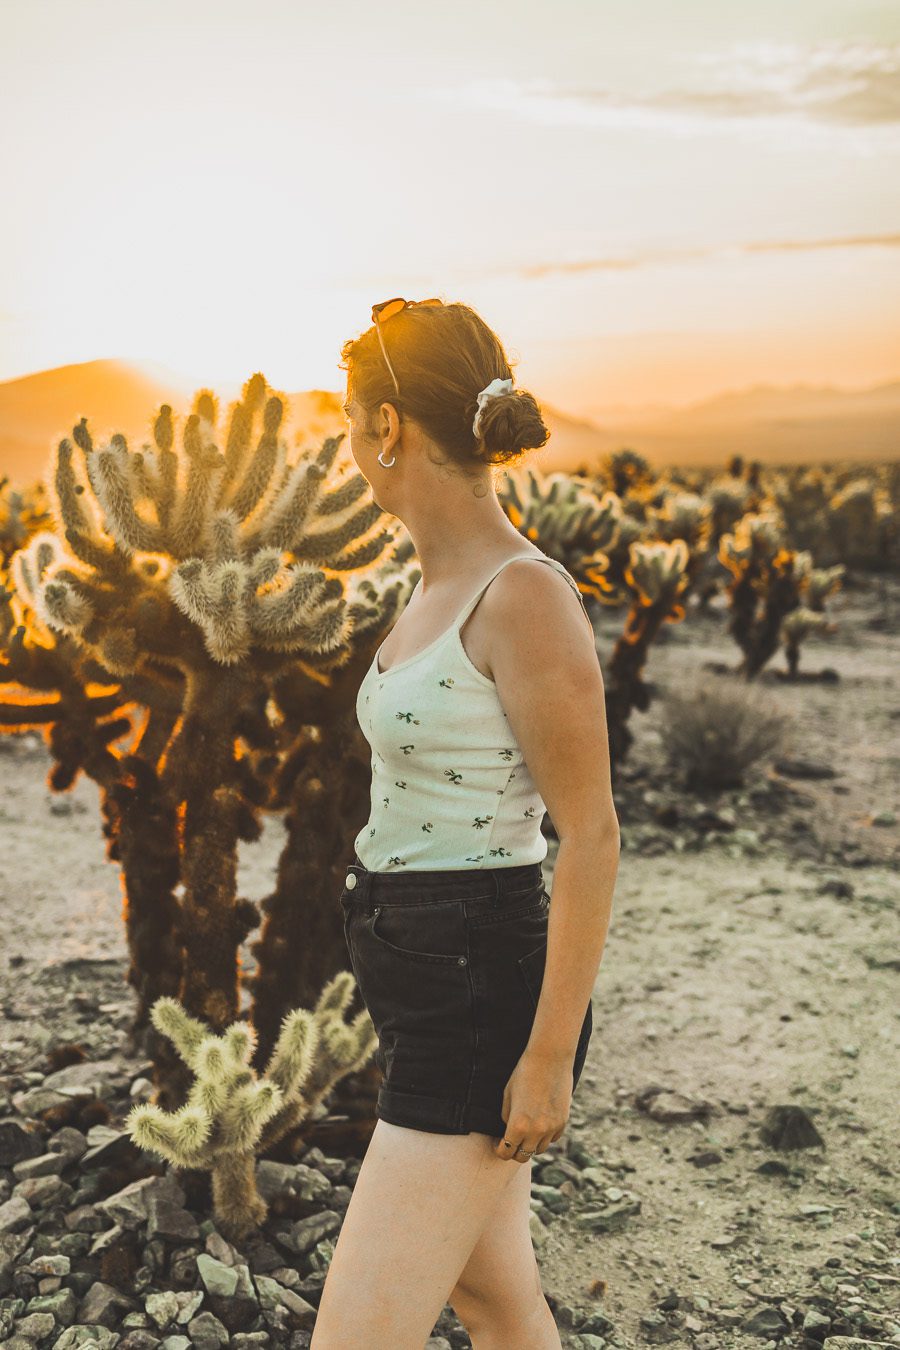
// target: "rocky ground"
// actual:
[[752, 964]]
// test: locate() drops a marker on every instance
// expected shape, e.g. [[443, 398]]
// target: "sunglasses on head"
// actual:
[[386, 310]]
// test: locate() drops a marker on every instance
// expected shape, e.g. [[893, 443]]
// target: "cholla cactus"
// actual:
[[232, 1113], [863, 525], [570, 522], [658, 578], [765, 586], [200, 603], [797, 626], [658, 571]]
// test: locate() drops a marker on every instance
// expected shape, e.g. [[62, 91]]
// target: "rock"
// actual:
[[44, 1165], [804, 768], [670, 1107], [708, 1158], [17, 1143], [63, 1304], [104, 1305], [15, 1214], [773, 1168], [273, 1296], [305, 1233], [168, 1220], [611, 1218], [129, 1207], [75, 1083], [596, 1324], [108, 1148], [207, 1332], [789, 1127], [35, 1327], [766, 1322], [138, 1339], [100, 1337], [816, 1323], [69, 1142], [40, 1191], [162, 1307], [847, 1343], [217, 1278], [275, 1179], [47, 1265], [836, 886]]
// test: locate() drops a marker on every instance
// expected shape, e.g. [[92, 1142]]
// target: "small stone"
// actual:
[[670, 1107], [765, 1322], [789, 1127], [217, 1278], [207, 1332], [162, 1307], [104, 1305], [17, 1143], [305, 1233], [45, 1164], [35, 1327], [91, 1338], [168, 1220], [15, 1214]]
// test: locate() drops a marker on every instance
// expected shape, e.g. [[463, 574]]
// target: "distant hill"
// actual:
[[775, 425], [792, 424]]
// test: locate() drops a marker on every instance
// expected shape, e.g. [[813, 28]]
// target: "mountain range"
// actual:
[[773, 424]]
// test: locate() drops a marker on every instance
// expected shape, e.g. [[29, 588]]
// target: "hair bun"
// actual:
[[510, 423]]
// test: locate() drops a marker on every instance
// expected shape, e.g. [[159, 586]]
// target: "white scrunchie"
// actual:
[[493, 390]]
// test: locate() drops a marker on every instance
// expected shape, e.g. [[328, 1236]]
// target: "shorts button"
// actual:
[[462, 961], [350, 880]]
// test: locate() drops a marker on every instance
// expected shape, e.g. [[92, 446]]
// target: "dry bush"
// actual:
[[719, 728]]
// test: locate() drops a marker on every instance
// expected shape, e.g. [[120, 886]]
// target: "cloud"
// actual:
[[653, 257], [849, 85]]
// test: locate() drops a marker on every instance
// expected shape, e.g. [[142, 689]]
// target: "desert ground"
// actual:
[[752, 962]]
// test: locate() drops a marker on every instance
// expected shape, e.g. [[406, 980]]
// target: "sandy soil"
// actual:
[[745, 968]]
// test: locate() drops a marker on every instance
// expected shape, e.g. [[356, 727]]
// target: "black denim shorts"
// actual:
[[449, 965]]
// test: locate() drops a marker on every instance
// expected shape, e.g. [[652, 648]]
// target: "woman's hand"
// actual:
[[536, 1103]]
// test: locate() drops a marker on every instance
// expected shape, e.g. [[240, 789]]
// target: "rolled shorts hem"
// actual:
[[439, 1115]]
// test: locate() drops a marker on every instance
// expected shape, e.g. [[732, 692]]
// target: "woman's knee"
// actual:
[[503, 1317]]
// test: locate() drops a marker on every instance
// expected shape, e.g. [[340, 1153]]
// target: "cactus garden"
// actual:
[[188, 1076]]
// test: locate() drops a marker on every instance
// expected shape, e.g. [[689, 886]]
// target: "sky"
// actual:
[[649, 203]]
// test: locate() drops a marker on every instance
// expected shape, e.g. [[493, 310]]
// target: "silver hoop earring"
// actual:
[[386, 464]]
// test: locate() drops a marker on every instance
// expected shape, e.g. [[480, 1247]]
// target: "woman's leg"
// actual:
[[419, 1206], [498, 1296]]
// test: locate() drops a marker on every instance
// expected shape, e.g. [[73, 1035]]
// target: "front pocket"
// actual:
[[530, 907], [413, 931]]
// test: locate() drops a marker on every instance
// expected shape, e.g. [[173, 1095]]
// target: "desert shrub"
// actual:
[[718, 729]]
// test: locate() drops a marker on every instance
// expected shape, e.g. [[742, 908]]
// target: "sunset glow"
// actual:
[[649, 206]]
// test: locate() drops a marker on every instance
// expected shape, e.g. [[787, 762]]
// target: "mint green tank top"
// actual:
[[450, 786]]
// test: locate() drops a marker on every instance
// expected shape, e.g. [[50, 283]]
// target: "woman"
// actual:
[[483, 706]]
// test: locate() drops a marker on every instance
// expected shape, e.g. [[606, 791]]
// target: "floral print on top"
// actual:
[[450, 786]]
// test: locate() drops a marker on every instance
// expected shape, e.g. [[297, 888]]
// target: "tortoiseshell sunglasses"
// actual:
[[386, 310]]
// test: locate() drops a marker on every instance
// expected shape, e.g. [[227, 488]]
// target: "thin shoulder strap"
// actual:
[[516, 557]]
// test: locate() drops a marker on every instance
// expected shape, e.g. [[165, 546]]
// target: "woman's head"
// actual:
[[442, 356]]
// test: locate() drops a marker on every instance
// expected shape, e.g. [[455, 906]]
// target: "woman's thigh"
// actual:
[[419, 1205]]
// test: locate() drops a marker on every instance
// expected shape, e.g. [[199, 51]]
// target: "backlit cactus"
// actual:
[[765, 586], [202, 609], [657, 575]]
